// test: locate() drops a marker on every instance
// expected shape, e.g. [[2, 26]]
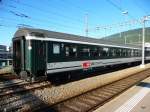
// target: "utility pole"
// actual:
[[143, 44], [145, 18], [126, 14], [86, 25]]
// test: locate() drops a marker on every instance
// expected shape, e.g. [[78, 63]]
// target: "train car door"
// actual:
[[39, 57], [19, 54]]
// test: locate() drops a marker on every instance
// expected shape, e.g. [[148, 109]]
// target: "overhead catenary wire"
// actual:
[[49, 21], [75, 6], [22, 15], [12, 20], [8, 26], [79, 8], [54, 13], [125, 23], [141, 8], [12, 24], [117, 25], [70, 6], [48, 12], [119, 8]]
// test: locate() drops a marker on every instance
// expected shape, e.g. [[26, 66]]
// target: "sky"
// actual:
[[101, 17]]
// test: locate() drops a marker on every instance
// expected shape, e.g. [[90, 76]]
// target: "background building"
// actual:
[[5, 56]]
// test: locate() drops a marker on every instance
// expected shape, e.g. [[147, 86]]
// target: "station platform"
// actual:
[[135, 99]]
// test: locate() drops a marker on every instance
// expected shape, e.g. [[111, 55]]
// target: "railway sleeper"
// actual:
[[116, 90], [81, 107], [15, 99], [64, 108], [111, 91], [32, 105], [88, 101], [101, 97], [73, 107], [118, 87], [16, 105]]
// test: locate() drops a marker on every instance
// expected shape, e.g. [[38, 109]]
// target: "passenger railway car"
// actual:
[[38, 52]]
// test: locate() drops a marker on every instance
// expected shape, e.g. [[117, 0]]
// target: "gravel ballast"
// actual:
[[6, 70], [55, 94]]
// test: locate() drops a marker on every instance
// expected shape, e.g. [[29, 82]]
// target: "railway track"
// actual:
[[9, 85], [14, 94], [91, 100], [19, 96], [22, 87], [7, 77]]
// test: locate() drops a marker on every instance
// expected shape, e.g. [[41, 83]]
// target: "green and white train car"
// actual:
[[38, 53]]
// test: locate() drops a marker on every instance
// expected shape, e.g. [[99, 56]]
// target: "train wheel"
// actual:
[[26, 76], [23, 75]]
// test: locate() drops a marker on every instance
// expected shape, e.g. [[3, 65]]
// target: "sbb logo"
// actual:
[[86, 65]]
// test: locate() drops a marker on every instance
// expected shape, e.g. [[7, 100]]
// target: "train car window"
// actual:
[[56, 49], [132, 53], [121, 53], [94, 52], [100, 52], [71, 51], [74, 49], [148, 54], [129, 52], [67, 51], [124, 52], [105, 51], [113, 52], [118, 52], [110, 52], [85, 49], [85, 52], [137, 53], [140, 52]]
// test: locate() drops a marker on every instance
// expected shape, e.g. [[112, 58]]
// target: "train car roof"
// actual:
[[57, 35]]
